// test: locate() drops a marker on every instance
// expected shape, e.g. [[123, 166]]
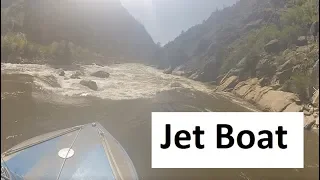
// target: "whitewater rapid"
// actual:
[[126, 81]]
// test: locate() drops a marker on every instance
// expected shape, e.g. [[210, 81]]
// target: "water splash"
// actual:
[[126, 81]]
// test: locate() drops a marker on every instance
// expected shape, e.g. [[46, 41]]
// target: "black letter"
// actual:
[[167, 145], [280, 132], [197, 133], [220, 136], [239, 139], [178, 138], [268, 139]]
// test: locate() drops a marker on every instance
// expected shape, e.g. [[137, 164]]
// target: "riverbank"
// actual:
[[268, 99]]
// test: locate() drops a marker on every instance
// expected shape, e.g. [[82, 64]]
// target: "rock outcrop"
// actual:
[[101, 74], [229, 83], [272, 100], [90, 84]]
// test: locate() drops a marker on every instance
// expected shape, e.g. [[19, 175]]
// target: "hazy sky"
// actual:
[[165, 19]]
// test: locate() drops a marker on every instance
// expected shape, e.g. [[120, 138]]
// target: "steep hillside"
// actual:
[[102, 26], [236, 38], [266, 51]]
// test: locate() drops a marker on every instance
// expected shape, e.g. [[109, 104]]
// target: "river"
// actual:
[[36, 100]]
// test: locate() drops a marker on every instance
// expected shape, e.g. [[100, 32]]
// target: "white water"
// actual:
[[126, 81]]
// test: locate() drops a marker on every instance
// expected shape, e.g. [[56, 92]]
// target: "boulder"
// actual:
[[302, 41], [256, 93], [243, 88], [61, 72], [277, 100], [293, 107], [90, 84], [273, 46], [101, 74], [230, 82]]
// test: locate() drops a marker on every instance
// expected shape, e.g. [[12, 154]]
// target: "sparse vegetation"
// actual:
[[15, 48]]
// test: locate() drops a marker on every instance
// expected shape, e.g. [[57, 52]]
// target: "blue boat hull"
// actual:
[[82, 152]]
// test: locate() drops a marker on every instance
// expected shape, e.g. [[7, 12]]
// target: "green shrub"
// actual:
[[301, 84]]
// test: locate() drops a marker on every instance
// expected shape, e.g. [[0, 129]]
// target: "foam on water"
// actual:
[[126, 81]]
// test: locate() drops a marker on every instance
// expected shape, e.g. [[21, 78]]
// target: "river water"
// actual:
[[36, 100]]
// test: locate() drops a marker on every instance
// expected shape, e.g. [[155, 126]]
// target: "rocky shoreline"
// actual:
[[270, 100]]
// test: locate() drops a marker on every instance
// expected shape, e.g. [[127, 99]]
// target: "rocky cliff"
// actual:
[[273, 43]]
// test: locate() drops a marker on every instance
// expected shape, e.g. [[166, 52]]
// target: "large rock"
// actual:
[[273, 46], [256, 93], [90, 84], [277, 100], [302, 41], [61, 72], [230, 82], [293, 107], [243, 88], [101, 74]]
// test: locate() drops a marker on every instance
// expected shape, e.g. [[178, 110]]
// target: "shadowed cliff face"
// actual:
[[102, 25]]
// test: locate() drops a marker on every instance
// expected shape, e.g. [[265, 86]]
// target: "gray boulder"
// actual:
[[101, 74], [61, 72], [90, 84]]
